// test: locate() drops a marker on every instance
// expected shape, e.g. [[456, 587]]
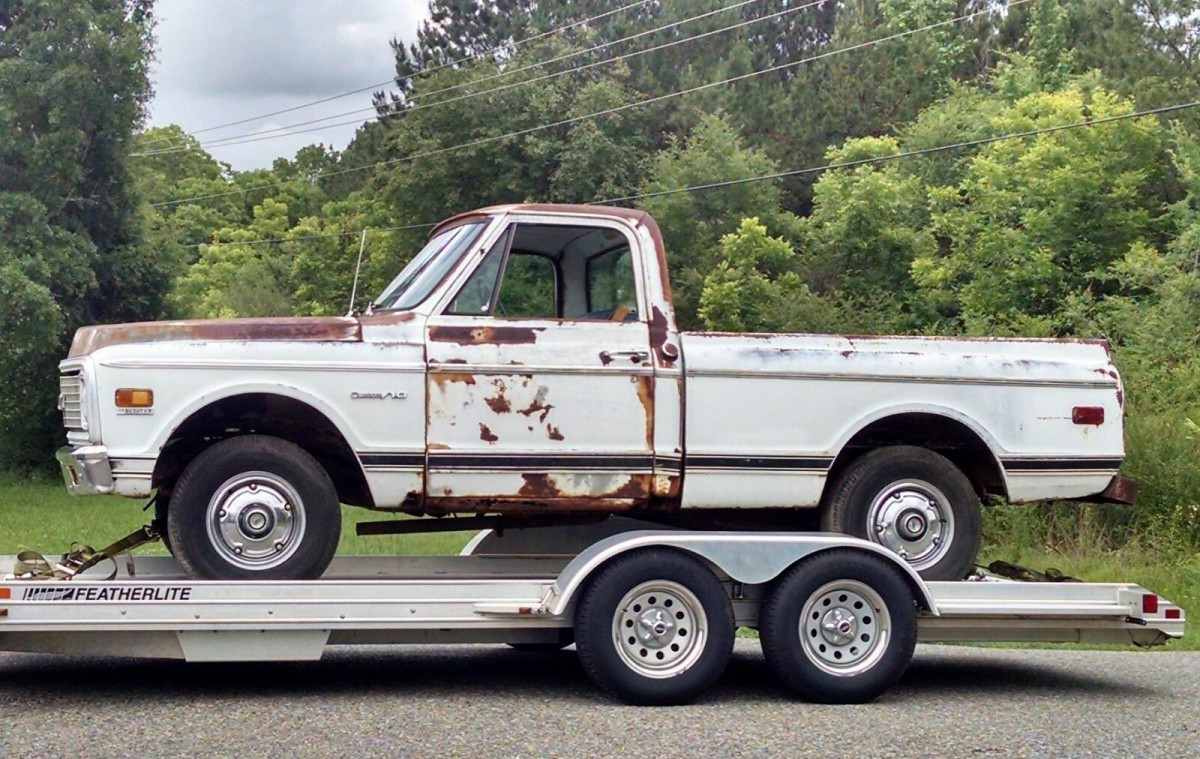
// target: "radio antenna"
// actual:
[[362, 243]]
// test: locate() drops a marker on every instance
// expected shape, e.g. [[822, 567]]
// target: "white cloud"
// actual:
[[226, 60]]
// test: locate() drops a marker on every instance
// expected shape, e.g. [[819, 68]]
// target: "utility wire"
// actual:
[[811, 170], [387, 82], [606, 111], [907, 153], [300, 238], [268, 134]]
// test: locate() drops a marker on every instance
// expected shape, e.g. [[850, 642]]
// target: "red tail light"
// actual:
[[1149, 604], [1172, 614], [1087, 415]]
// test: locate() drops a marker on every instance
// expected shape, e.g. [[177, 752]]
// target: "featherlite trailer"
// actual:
[[653, 612]]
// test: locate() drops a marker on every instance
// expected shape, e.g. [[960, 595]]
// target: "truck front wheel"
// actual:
[[254, 507], [914, 502]]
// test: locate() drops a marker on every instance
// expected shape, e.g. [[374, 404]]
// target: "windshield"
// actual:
[[426, 270]]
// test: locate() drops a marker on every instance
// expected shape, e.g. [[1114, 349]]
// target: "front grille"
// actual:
[[70, 387]]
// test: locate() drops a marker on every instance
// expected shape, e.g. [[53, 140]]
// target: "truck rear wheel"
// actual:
[[654, 627], [839, 627], [914, 502], [254, 507]]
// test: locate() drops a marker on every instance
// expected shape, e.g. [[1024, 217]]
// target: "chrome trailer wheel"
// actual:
[[654, 627], [840, 626]]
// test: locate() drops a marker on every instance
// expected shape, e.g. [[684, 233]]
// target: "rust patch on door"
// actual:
[[485, 335], [441, 379], [645, 392], [498, 402], [538, 406], [538, 486], [553, 433], [638, 486], [486, 434]]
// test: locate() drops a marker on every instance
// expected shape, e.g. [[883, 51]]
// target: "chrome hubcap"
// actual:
[[659, 629], [845, 627], [914, 519], [256, 520]]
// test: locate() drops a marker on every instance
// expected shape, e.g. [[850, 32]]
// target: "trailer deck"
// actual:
[[158, 612]]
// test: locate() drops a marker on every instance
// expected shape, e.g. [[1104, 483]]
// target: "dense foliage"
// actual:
[[1089, 231], [73, 85]]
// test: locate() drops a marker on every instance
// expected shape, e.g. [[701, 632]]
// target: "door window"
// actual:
[[552, 271]]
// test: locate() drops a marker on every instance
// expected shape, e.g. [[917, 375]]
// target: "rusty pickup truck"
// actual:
[[526, 365]]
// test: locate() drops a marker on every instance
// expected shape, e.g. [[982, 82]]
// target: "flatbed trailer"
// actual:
[[653, 611]]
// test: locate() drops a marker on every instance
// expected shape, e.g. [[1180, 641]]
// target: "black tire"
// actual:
[[883, 659], [566, 637], [161, 506], [270, 481], [696, 665], [913, 475]]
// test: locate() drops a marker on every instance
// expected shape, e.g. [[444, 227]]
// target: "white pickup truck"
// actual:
[[526, 365]]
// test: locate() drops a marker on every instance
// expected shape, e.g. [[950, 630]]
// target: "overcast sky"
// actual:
[[226, 60]]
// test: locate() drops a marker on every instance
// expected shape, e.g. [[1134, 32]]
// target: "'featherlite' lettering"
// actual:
[[108, 594]]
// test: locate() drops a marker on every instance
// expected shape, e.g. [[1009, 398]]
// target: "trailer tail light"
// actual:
[[1087, 415], [131, 397], [5, 594], [1149, 603], [1173, 614]]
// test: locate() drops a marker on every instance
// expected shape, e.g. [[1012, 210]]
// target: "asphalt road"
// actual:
[[484, 701]]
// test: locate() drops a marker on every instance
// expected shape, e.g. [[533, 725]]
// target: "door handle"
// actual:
[[636, 357]]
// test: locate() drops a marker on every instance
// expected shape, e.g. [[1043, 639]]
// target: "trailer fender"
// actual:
[[749, 558]]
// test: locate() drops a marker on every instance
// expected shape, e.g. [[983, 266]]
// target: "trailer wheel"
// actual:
[[254, 507], [914, 502], [839, 627], [654, 627]]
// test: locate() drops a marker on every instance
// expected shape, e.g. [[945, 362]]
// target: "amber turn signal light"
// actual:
[[130, 397]]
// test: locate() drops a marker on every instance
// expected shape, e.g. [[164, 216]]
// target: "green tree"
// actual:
[[73, 86], [1038, 219], [693, 222], [755, 288]]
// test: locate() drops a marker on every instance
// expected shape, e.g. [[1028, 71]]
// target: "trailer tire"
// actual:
[[881, 491], [654, 627], [565, 638], [254, 507], [839, 627]]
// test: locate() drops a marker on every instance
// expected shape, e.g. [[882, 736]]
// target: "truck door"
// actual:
[[540, 378]]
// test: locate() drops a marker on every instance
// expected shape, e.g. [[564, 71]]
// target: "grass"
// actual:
[[40, 515]]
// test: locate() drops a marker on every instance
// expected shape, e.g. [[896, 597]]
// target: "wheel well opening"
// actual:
[[264, 414], [940, 434]]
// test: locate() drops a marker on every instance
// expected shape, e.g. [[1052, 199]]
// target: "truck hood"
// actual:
[[314, 329]]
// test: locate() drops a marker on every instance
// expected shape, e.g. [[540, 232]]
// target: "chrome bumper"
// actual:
[[85, 470]]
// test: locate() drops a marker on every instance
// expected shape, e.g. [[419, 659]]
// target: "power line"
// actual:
[[301, 238], [796, 172], [907, 153], [387, 82], [605, 112], [221, 142]]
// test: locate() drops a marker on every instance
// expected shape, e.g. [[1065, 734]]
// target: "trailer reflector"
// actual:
[[1087, 415], [5, 594], [1149, 603], [1173, 614]]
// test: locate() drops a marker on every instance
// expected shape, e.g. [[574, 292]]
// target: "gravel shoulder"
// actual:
[[492, 701]]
